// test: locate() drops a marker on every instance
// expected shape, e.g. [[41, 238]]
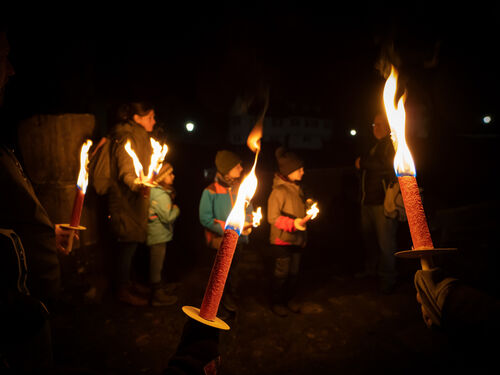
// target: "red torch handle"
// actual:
[[77, 208], [218, 276], [417, 222]]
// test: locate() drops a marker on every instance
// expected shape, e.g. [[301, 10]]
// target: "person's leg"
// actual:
[[126, 251], [229, 296], [369, 241], [386, 234], [156, 259], [293, 280], [279, 284]]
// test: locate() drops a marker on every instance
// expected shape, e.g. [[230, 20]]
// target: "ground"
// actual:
[[346, 326]]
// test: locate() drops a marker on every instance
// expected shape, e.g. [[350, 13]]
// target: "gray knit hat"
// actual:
[[226, 160], [287, 161]]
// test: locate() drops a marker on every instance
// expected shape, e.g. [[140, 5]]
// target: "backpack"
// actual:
[[100, 167], [393, 203]]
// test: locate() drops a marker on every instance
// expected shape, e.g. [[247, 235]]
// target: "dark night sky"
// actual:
[[195, 63]]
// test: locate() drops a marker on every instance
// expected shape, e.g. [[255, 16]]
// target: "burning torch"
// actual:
[[235, 225], [81, 188], [404, 167]]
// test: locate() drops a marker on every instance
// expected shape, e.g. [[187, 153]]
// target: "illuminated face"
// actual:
[[381, 128], [169, 178], [235, 172], [147, 121], [296, 175]]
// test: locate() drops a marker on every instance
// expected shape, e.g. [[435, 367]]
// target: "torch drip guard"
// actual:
[[418, 253], [194, 313], [68, 226]]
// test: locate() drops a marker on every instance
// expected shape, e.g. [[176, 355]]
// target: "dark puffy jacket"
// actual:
[[377, 171], [21, 211], [128, 206]]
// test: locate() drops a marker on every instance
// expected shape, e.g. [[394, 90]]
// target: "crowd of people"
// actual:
[[143, 214]]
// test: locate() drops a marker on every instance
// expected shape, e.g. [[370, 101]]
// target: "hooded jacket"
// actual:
[[217, 201], [162, 214], [128, 206], [285, 204]]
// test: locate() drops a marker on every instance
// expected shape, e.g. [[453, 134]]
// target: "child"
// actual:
[[217, 201], [285, 206], [162, 214]]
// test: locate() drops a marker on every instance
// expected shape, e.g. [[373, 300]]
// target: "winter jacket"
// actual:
[[21, 211], [377, 172], [128, 206], [162, 214], [217, 201], [285, 204]]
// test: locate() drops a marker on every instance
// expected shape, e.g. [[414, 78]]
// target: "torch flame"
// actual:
[[256, 217], [253, 140], [83, 175], [137, 164], [313, 211], [157, 157], [236, 218], [403, 161]]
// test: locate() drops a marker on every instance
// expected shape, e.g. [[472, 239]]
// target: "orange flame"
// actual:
[[313, 211], [157, 158], [83, 175], [253, 140], [236, 218], [403, 161], [256, 217], [137, 164]]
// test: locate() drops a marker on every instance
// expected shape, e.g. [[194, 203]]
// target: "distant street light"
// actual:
[[190, 127], [486, 119], [353, 132]]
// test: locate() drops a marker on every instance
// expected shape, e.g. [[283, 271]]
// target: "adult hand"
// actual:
[[62, 237]]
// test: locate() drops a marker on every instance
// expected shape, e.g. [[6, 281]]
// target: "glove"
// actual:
[[433, 287], [197, 351]]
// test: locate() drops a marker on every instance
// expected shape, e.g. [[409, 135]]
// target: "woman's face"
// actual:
[[147, 121]]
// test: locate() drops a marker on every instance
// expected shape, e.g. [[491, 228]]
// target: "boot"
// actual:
[[125, 295], [160, 298]]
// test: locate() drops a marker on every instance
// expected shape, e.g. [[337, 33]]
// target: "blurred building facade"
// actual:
[[296, 132]]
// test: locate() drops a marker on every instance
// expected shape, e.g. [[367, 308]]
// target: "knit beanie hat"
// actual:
[[287, 161], [225, 161]]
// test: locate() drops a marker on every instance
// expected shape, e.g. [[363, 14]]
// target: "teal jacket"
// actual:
[[162, 214], [216, 203]]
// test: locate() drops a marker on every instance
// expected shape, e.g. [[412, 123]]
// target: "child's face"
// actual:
[[169, 178], [296, 175], [236, 171]]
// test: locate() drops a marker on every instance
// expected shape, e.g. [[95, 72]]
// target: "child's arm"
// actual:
[[206, 212], [274, 217], [163, 208]]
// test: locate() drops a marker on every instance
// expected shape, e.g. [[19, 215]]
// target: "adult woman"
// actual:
[[128, 206]]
